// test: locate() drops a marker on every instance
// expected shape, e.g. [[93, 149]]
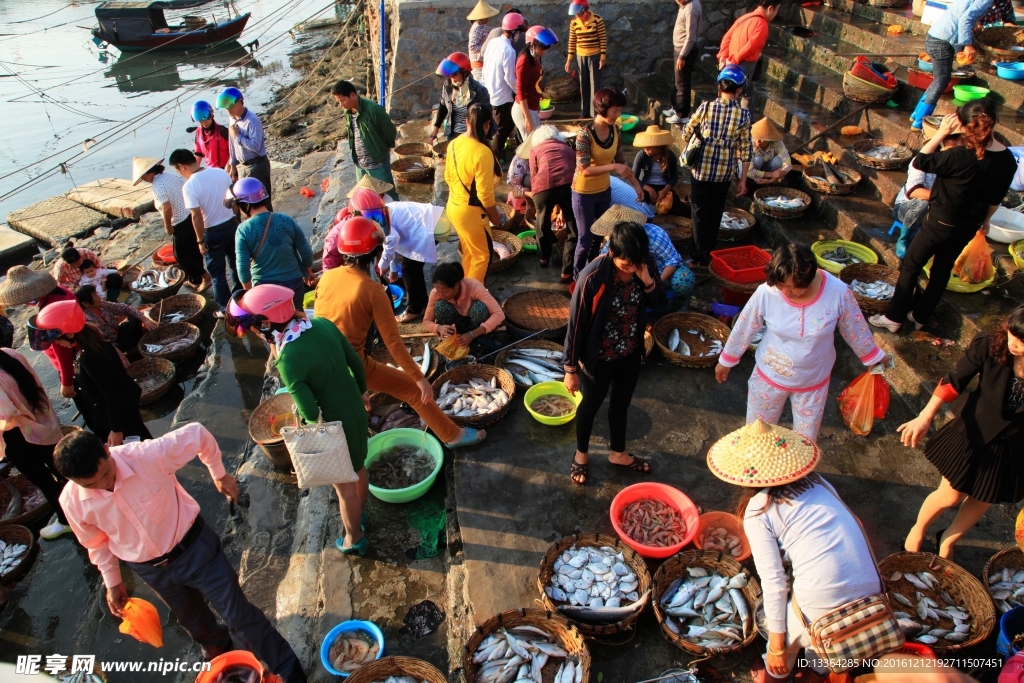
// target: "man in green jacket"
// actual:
[[371, 134]]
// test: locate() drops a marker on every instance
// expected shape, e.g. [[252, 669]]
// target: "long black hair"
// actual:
[[28, 387], [476, 118]]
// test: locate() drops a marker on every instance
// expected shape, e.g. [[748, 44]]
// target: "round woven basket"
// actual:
[[968, 593], [128, 273], [1012, 559], [166, 333], [440, 149], [17, 534], [37, 516], [514, 244], [572, 128], [464, 373], [262, 427], [502, 356], [859, 148], [561, 631], [711, 328], [537, 309], [634, 561], [738, 235], [381, 669], [560, 88], [678, 228], [378, 399], [765, 193], [997, 41], [384, 356], [739, 288], [826, 187], [869, 272], [413, 168], [8, 493], [675, 567], [151, 296], [414, 149], [860, 90], [156, 372], [189, 305]]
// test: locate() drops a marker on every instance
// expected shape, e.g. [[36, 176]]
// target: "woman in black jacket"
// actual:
[[604, 344], [980, 453]]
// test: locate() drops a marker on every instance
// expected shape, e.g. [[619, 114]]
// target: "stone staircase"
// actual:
[[801, 91]]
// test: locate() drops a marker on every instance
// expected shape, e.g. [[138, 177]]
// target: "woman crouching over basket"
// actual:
[[790, 512]]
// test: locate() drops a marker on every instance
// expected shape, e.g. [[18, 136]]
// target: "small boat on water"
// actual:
[[142, 26]]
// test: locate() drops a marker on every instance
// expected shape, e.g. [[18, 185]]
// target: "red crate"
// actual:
[[733, 298], [917, 78], [740, 264]]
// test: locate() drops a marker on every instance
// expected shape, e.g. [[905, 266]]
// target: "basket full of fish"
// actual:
[[597, 582], [936, 602], [422, 353], [829, 179], [782, 202], [16, 550], [690, 340], [398, 670], [736, 225], [532, 362], [153, 285], [873, 285], [171, 342], [1004, 579], [507, 248], [526, 645], [474, 395], [705, 601], [873, 154]]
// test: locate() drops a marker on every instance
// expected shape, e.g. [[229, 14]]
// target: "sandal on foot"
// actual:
[[565, 279], [470, 437], [577, 470], [638, 464], [358, 548], [408, 317]]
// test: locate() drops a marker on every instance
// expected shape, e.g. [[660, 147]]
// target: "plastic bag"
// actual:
[[865, 400], [450, 349], [664, 205], [974, 264], [142, 622]]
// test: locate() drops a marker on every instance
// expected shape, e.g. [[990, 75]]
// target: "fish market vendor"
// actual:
[[460, 305], [770, 162], [800, 305], [911, 204]]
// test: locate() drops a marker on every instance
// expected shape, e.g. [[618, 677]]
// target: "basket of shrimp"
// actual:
[[873, 154], [690, 340], [722, 531], [829, 179], [597, 582], [782, 202], [704, 602], [937, 602], [544, 646], [398, 670], [1003, 577], [422, 352]]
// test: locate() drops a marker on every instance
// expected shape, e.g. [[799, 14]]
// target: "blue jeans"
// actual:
[[587, 208], [910, 213], [942, 54], [220, 255], [297, 285]]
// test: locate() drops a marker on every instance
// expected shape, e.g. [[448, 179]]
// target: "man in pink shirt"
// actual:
[[125, 503]]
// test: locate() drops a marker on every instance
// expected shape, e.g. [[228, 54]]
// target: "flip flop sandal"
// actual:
[[638, 465], [408, 318], [470, 437], [579, 469]]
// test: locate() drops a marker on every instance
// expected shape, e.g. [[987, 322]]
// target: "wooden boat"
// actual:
[[142, 26]]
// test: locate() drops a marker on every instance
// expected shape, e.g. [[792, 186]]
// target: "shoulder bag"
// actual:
[[319, 453], [262, 239], [474, 199], [695, 145]]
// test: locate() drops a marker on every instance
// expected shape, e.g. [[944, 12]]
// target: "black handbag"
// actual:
[[695, 145]]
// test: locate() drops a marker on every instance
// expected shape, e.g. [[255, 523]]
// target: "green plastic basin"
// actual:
[[966, 93], [550, 389], [528, 233], [628, 122], [404, 437]]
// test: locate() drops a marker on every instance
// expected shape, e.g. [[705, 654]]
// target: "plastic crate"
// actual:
[[734, 298], [740, 264], [922, 79]]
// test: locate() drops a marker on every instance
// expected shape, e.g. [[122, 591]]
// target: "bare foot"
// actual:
[[914, 540]]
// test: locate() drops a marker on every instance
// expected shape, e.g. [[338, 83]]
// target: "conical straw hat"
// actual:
[[141, 166], [23, 285], [371, 183], [616, 214], [761, 455], [482, 11], [653, 137], [765, 130]]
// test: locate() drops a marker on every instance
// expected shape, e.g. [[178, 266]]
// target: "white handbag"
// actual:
[[319, 453]]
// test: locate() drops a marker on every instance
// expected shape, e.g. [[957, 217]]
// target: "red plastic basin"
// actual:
[[165, 254], [236, 657], [674, 497]]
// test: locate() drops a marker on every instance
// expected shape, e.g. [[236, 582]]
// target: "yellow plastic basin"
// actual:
[[957, 285], [858, 251], [550, 389]]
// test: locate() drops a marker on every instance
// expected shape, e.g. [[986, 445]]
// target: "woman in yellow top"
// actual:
[[598, 155], [470, 173]]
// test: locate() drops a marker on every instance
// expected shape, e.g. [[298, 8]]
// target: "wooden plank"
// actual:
[[114, 196], [56, 219]]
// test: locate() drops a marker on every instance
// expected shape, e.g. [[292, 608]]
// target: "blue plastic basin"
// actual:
[[352, 625], [1011, 71]]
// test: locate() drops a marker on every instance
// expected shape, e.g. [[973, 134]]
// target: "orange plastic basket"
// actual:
[[740, 264]]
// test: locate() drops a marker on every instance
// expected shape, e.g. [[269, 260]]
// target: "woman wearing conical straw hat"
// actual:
[[480, 16], [770, 162], [790, 512], [656, 168]]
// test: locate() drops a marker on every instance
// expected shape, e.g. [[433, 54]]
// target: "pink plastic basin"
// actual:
[[674, 497]]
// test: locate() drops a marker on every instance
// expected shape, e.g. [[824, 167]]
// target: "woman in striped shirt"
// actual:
[[588, 42]]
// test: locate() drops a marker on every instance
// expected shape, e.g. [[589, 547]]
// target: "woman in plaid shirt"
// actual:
[[725, 128]]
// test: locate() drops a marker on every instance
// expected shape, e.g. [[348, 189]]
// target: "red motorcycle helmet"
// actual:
[[359, 236], [368, 204], [57, 319]]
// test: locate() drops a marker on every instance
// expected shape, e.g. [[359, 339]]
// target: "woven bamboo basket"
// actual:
[[156, 372], [930, 126], [384, 667], [711, 328], [464, 373], [264, 424], [561, 631], [560, 89], [413, 169], [440, 149], [998, 41], [382, 355], [679, 229], [8, 493], [37, 516], [193, 23], [128, 273], [859, 148], [502, 356], [190, 305], [713, 561], [968, 593], [17, 534], [1012, 559], [514, 244], [739, 288], [414, 149], [814, 171], [537, 309], [738, 235], [166, 333], [860, 90], [634, 561], [379, 399], [869, 272], [151, 296], [766, 193]]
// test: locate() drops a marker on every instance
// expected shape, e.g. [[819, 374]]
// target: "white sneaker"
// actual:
[[882, 321], [675, 118], [669, 112], [54, 530], [917, 325]]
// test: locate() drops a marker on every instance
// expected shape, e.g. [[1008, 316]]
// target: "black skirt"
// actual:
[[992, 473]]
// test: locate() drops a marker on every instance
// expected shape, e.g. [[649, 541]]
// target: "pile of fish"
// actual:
[[884, 152], [930, 620], [1007, 589], [10, 556], [730, 222], [533, 366], [238, 673], [597, 583], [676, 343], [423, 359], [81, 677], [719, 538], [553, 406], [351, 650], [149, 383], [400, 467], [152, 280], [475, 397], [175, 344], [652, 522], [879, 289], [501, 250], [395, 416], [783, 202], [708, 609], [520, 655], [841, 256], [400, 679]]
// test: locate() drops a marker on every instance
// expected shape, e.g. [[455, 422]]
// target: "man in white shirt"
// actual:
[[500, 79], [204, 192], [411, 244]]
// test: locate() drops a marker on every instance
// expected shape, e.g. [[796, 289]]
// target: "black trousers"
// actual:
[[94, 412], [684, 77], [621, 376], [545, 202], [707, 203], [203, 574], [503, 115], [36, 463], [415, 285], [186, 251], [944, 242], [129, 333]]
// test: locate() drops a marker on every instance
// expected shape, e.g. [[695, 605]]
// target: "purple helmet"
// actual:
[[249, 190]]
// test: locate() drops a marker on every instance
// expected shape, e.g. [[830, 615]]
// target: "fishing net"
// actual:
[[428, 517]]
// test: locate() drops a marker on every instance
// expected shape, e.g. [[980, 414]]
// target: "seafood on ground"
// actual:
[[11, 556], [677, 344], [731, 222], [172, 318], [719, 538], [502, 250], [783, 202], [533, 366], [523, 654], [471, 398], [553, 406], [879, 289], [401, 466], [594, 585], [351, 650], [238, 673], [169, 345], [652, 522], [933, 615], [841, 256], [152, 280], [1007, 588], [707, 608], [884, 152]]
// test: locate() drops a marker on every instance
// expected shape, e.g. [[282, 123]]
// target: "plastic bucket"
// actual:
[[404, 437], [550, 389], [352, 625], [397, 295], [718, 519], [234, 658], [674, 497], [1010, 624]]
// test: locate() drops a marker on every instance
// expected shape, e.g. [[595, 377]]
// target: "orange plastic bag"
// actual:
[[865, 400], [142, 622], [974, 264], [450, 349]]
